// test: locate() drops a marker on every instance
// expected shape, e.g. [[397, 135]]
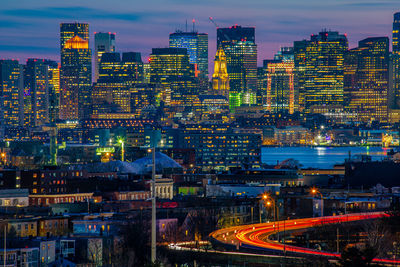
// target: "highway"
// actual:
[[257, 237]]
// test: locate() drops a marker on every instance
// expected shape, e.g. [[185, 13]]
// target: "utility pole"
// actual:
[[153, 208], [5, 245], [337, 240]]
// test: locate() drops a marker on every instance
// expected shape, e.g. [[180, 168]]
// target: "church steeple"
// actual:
[[220, 78]]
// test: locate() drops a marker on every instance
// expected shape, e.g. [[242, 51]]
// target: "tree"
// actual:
[[355, 257]]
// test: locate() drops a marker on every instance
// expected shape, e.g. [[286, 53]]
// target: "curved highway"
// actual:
[[257, 236]]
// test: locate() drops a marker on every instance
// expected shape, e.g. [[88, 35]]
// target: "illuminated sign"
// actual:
[[101, 150]]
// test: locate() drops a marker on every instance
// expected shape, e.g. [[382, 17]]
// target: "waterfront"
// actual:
[[318, 157]]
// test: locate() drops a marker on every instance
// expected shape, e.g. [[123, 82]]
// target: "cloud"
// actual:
[[71, 13], [11, 24]]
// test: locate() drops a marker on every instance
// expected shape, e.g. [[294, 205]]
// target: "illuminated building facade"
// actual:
[[197, 49], [54, 90], [299, 51], [220, 78], [69, 30], [144, 99], [367, 79], [128, 70], [12, 91], [319, 67], [240, 49], [219, 148], [396, 59], [76, 72], [109, 97], [115, 90], [170, 67], [36, 92], [280, 94], [104, 42]]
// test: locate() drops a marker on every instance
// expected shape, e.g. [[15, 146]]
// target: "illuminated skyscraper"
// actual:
[[129, 69], [103, 43], [170, 68], [367, 79], [197, 48], [299, 50], [69, 30], [36, 95], [12, 92], [280, 86], [54, 90], [114, 90], [76, 72], [240, 49], [396, 59], [220, 78], [320, 75]]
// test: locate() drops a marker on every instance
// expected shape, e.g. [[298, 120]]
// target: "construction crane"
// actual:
[[213, 22], [217, 26]]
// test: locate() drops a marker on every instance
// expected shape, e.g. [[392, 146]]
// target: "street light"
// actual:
[[121, 141], [268, 201], [153, 206], [315, 191]]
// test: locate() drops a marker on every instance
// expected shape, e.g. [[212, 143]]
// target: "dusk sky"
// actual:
[[31, 28]]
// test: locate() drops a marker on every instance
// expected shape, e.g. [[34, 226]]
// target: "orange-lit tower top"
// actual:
[[76, 42]]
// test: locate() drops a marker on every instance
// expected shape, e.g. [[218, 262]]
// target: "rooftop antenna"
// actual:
[[186, 25], [193, 23]]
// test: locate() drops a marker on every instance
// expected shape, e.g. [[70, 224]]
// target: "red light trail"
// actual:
[[257, 236]]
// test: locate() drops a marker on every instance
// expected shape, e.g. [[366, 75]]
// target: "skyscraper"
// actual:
[[112, 92], [320, 70], [129, 69], [170, 68], [36, 95], [54, 90], [396, 60], [197, 49], [69, 30], [76, 71], [103, 43], [280, 86], [367, 79], [220, 78], [239, 46], [12, 92]]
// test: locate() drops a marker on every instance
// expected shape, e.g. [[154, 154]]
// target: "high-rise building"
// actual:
[[396, 60], [103, 43], [129, 69], [54, 90], [12, 93], [299, 51], [367, 79], [197, 49], [69, 30], [240, 49], [36, 95], [220, 78], [280, 94], [76, 71], [319, 66], [115, 89], [170, 68]]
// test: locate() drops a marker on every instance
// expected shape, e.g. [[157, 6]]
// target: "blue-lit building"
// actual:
[[197, 48]]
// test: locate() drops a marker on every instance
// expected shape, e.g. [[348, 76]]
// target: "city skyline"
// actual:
[[277, 24]]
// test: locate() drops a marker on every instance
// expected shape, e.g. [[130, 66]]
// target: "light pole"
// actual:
[[121, 141], [315, 191], [268, 201], [153, 206]]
